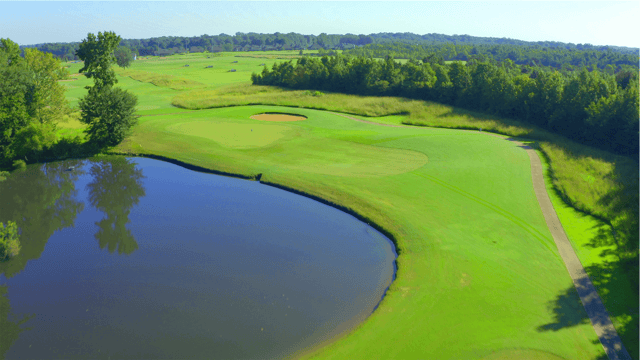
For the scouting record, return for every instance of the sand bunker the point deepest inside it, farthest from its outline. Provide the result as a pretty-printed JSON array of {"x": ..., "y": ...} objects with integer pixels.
[{"x": 278, "y": 117}]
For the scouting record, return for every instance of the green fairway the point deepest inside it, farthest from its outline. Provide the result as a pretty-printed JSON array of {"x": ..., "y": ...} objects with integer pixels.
[{"x": 479, "y": 275}]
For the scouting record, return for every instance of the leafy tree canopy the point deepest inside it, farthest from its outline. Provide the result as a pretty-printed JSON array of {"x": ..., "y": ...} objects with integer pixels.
[
  {"x": 123, "y": 56},
  {"x": 98, "y": 55},
  {"x": 109, "y": 112}
]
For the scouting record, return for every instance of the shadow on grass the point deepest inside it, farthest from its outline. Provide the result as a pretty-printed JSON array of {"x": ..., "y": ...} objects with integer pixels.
[
  {"x": 616, "y": 282},
  {"x": 569, "y": 311}
]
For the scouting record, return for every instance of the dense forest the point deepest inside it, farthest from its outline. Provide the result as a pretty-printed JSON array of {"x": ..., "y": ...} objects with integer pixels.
[
  {"x": 400, "y": 45},
  {"x": 595, "y": 108},
  {"x": 558, "y": 58}
]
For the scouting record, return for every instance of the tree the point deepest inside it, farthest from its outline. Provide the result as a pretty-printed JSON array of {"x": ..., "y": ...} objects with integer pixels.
[
  {"x": 11, "y": 49},
  {"x": 13, "y": 105},
  {"x": 109, "y": 112},
  {"x": 48, "y": 102},
  {"x": 32, "y": 140},
  {"x": 123, "y": 56},
  {"x": 97, "y": 54},
  {"x": 227, "y": 46},
  {"x": 30, "y": 98}
]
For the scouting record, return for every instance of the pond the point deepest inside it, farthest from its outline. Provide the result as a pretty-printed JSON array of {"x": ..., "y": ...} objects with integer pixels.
[{"x": 139, "y": 258}]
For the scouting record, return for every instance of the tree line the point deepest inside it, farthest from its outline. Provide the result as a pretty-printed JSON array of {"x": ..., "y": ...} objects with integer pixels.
[
  {"x": 451, "y": 47},
  {"x": 559, "y": 58},
  {"x": 591, "y": 107}
]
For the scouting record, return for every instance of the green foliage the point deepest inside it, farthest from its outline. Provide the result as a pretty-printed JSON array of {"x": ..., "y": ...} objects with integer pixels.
[
  {"x": 47, "y": 103},
  {"x": 31, "y": 101},
  {"x": 124, "y": 56},
  {"x": 11, "y": 51},
  {"x": 97, "y": 54},
  {"x": 109, "y": 114},
  {"x": 19, "y": 165},
  {"x": 108, "y": 111},
  {"x": 68, "y": 147},
  {"x": 566, "y": 57},
  {"x": 9, "y": 240},
  {"x": 32, "y": 140},
  {"x": 13, "y": 102}
]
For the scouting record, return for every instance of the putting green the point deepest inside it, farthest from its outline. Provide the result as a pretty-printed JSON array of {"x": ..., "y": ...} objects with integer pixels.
[
  {"x": 232, "y": 135},
  {"x": 288, "y": 147}
]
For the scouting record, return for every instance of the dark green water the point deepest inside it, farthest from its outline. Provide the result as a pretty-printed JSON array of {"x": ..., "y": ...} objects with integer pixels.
[{"x": 138, "y": 258}]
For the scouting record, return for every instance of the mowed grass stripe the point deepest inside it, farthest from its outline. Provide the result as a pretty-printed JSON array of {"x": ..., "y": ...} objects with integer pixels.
[{"x": 544, "y": 240}]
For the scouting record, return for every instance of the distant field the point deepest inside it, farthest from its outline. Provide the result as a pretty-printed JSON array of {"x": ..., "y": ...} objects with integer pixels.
[{"x": 479, "y": 276}]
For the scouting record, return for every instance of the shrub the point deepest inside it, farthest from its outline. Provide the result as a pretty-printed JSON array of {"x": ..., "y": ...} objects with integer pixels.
[
  {"x": 19, "y": 164},
  {"x": 9, "y": 242},
  {"x": 32, "y": 140},
  {"x": 110, "y": 114},
  {"x": 68, "y": 147}
]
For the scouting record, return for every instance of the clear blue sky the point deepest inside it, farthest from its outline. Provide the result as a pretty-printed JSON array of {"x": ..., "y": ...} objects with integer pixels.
[{"x": 594, "y": 22}]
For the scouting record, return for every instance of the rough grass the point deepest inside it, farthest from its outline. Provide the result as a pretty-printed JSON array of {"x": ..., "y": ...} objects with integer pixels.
[
  {"x": 593, "y": 240},
  {"x": 162, "y": 80},
  {"x": 414, "y": 112}
]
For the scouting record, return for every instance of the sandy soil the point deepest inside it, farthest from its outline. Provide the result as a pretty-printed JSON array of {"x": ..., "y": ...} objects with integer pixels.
[{"x": 278, "y": 117}]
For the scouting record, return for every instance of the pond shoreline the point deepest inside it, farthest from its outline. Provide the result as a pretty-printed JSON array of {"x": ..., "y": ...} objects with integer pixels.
[{"x": 258, "y": 177}]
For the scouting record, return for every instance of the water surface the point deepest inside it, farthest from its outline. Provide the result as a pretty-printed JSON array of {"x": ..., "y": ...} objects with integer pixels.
[{"x": 138, "y": 258}]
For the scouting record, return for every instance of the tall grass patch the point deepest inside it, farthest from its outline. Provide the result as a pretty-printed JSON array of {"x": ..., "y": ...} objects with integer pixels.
[{"x": 162, "y": 80}]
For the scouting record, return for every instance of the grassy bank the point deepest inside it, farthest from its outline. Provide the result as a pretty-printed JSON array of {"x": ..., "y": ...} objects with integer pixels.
[{"x": 479, "y": 276}]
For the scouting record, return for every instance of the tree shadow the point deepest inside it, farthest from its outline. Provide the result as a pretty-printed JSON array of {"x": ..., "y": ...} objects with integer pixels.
[
  {"x": 569, "y": 311},
  {"x": 115, "y": 189},
  {"x": 611, "y": 279}
]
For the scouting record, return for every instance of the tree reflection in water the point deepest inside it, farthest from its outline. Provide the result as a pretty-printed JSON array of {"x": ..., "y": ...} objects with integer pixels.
[
  {"x": 41, "y": 200},
  {"x": 116, "y": 187}
]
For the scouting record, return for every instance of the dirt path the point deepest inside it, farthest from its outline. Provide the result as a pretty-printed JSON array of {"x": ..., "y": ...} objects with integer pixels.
[
  {"x": 596, "y": 311},
  {"x": 591, "y": 301}
]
